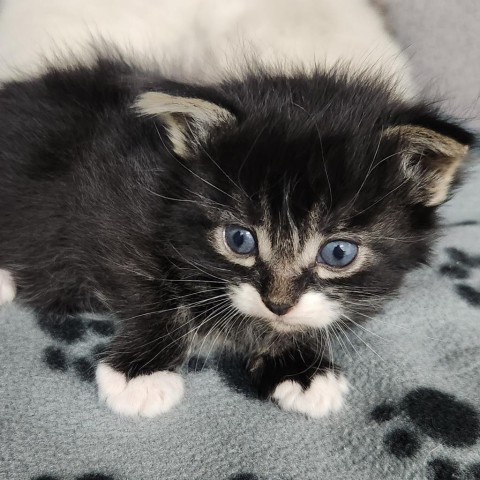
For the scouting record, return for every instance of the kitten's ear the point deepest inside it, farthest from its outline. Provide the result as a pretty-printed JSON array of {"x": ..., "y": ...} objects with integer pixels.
[
  {"x": 188, "y": 120},
  {"x": 431, "y": 157}
]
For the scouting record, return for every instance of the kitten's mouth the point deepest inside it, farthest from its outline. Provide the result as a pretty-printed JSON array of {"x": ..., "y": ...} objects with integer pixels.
[{"x": 313, "y": 309}]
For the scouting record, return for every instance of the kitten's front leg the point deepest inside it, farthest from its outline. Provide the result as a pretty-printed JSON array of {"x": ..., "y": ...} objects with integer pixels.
[
  {"x": 300, "y": 380},
  {"x": 139, "y": 374}
]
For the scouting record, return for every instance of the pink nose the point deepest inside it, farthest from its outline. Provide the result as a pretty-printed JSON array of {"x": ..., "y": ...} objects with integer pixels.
[{"x": 278, "y": 308}]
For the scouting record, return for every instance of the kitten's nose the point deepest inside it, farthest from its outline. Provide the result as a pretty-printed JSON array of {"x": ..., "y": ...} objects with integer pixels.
[{"x": 278, "y": 308}]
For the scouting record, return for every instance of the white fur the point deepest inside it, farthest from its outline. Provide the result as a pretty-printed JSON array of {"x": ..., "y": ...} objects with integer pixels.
[
  {"x": 145, "y": 395},
  {"x": 8, "y": 289},
  {"x": 314, "y": 309},
  {"x": 203, "y": 39},
  {"x": 324, "y": 395}
]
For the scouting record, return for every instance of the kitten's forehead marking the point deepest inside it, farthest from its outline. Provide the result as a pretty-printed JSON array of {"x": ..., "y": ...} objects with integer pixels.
[
  {"x": 265, "y": 251},
  {"x": 290, "y": 250},
  {"x": 290, "y": 258},
  {"x": 309, "y": 252},
  {"x": 287, "y": 251}
]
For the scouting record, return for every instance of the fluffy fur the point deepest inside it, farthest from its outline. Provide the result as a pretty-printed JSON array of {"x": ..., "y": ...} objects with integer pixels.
[
  {"x": 145, "y": 395},
  {"x": 324, "y": 395},
  {"x": 101, "y": 210},
  {"x": 7, "y": 287},
  {"x": 201, "y": 40}
]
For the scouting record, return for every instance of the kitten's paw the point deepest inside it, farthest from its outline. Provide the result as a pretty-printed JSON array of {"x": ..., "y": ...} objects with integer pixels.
[
  {"x": 145, "y": 395},
  {"x": 324, "y": 395},
  {"x": 8, "y": 289}
]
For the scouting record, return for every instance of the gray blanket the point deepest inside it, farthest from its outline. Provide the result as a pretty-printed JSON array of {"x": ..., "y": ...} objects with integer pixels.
[{"x": 414, "y": 407}]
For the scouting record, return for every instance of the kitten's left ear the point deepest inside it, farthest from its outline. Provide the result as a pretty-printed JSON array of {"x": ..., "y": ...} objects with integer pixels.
[
  {"x": 432, "y": 155},
  {"x": 188, "y": 120}
]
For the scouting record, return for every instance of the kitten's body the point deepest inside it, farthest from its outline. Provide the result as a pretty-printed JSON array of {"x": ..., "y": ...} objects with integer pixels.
[
  {"x": 118, "y": 200},
  {"x": 117, "y": 185}
]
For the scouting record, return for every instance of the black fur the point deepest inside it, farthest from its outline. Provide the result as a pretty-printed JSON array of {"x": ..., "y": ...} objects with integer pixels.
[
  {"x": 300, "y": 366},
  {"x": 97, "y": 213}
]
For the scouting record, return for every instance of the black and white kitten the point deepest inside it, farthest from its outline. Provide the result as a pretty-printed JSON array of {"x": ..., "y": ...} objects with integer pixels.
[{"x": 252, "y": 215}]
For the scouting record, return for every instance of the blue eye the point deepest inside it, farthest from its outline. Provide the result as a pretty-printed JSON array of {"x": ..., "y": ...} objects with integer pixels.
[
  {"x": 338, "y": 253},
  {"x": 240, "y": 240}
]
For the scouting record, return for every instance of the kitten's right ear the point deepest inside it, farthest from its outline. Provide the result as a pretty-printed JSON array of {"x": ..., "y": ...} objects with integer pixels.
[
  {"x": 433, "y": 152},
  {"x": 188, "y": 120}
]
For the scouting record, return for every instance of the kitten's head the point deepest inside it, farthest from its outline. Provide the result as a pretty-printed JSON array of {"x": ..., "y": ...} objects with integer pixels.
[{"x": 310, "y": 197}]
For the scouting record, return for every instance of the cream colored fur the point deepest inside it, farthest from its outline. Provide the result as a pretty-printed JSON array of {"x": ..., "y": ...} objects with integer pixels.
[
  {"x": 200, "y": 39},
  {"x": 8, "y": 289}
]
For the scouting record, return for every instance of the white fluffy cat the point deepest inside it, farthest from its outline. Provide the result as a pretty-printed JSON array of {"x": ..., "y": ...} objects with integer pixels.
[{"x": 200, "y": 39}]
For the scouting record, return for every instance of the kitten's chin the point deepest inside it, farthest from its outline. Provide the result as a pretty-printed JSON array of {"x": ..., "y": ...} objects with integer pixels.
[
  {"x": 313, "y": 310},
  {"x": 282, "y": 326}
]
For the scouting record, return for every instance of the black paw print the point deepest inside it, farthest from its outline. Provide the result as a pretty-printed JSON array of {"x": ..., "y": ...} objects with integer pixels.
[
  {"x": 460, "y": 267},
  {"x": 87, "y": 476},
  {"x": 252, "y": 476},
  {"x": 439, "y": 416},
  {"x": 243, "y": 476},
  {"x": 69, "y": 330}
]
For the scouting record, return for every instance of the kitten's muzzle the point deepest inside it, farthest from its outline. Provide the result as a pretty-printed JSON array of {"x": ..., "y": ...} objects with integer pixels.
[{"x": 278, "y": 308}]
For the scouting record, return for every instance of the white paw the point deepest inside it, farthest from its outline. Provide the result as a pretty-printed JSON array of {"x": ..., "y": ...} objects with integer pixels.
[
  {"x": 324, "y": 395},
  {"x": 7, "y": 287},
  {"x": 145, "y": 395}
]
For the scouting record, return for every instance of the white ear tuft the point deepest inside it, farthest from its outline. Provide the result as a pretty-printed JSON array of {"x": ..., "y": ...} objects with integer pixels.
[{"x": 184, "y": 117}]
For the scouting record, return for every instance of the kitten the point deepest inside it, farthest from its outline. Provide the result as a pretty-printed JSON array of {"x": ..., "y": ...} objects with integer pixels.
[{"x": 254, "y": 214}]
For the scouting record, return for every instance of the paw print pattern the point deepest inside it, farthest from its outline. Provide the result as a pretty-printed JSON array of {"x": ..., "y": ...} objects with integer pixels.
[
  {"x": 69, "y": 331},
  {"x": 87, "y": 476},
  {"x": 243, "y": 476},
  {"x": 438, "y": 415},
  {"x": 461, "y": 266},
  {"x": 101, "y": 476},
  {"x": 445, "y": 469},
  {"x": 252, "y": 476}
]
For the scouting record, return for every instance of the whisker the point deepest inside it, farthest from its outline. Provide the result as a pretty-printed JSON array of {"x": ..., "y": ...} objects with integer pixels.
[
  {"x": 378, "y": 319},
  {"x": 157, "y": 339},
  {"x": 216, "y": 324},
  {"x": 178, "y": 339},
  {"x": 348, "y": 338},
  {"x": 365, "y": 329},
  {"x": 364, "y": 342},
  {"x": 194, "y": 304},
  {"x": 230, "y": 315},
  {"x": 340, "y": 341}
]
